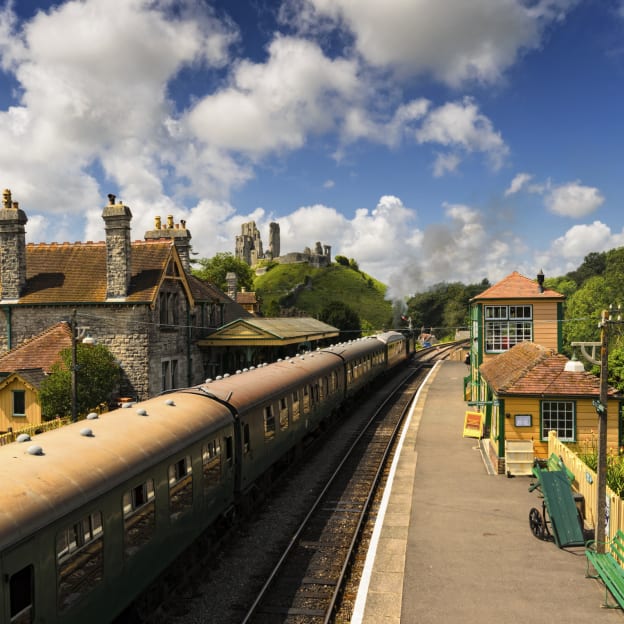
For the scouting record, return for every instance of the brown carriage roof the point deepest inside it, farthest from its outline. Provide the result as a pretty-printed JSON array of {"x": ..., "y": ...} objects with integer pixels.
[
  {"x": 530, "y": 369},
  {"x": 517, "y": 286}
]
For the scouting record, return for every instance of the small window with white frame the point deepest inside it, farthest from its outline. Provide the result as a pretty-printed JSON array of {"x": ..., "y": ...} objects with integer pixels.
[{"x": 559, "y": 416}]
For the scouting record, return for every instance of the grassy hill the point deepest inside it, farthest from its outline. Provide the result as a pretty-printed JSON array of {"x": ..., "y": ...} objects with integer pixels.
[{"x": 300, "y": 286}]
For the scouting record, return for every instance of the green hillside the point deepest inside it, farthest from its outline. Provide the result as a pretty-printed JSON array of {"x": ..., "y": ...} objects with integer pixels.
[{"x": 302, "y": 287}]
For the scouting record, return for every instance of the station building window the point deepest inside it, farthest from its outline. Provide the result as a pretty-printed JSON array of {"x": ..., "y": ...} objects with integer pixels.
[
  {"x": 559, "y": 416},
  {"x": 79, "y": 559},
  {"x": 506, "y": 326},
  {"x": 139, "y": 511},
  {"x": 180, "y": 487}
]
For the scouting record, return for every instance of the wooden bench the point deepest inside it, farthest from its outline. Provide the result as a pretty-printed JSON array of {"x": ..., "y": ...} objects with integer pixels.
[{"x": 608, "y": 568}]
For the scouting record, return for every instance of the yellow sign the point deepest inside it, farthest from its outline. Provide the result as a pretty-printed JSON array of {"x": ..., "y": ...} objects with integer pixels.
[{"x": 473, "y": 425}]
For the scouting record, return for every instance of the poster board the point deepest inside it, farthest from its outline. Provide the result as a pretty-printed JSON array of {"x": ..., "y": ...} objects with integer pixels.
[{"x": 473, "y": 425}]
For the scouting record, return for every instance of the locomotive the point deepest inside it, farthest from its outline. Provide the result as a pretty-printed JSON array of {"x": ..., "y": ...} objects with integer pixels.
[{"x": 91, "y": 513}]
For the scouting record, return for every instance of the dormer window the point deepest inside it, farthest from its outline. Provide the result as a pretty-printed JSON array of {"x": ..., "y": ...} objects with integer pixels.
[{"x": 506, "y": 326}]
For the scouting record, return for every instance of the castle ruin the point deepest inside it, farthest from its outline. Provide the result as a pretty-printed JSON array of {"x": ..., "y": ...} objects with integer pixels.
[{"x": 249, "y": 248}]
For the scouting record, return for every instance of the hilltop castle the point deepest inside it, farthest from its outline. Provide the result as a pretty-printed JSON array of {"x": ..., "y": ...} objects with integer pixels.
[{"x": 249, "y": 248}]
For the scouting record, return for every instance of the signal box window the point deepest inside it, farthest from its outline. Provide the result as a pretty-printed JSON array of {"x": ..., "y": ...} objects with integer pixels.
[
  {"x": 21, "y": 596},
  {"x": 506, "y": 326},
  {"x": 180, "y": 487},
  {"x": 79, "y": 559},
  {"x": 139, "y": 511}
]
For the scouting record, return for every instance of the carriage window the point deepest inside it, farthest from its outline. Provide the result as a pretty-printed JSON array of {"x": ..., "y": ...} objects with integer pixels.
[
  {"x": 283, "y": 413},
  {"x": 269, "y": 423},
  {"x": 21, "y": 590},
  {"x": 246, "y": 438},
  {"x": 79, "y": 559},
  {"x": 306, "y": 399},
  {"x": 295, "y": 406},
  {"x": 211, "y": 464},
  {"x": 180, "y": 487},
  {"x": 229, "y": 450},
  {"x": 139, "y": 511}
]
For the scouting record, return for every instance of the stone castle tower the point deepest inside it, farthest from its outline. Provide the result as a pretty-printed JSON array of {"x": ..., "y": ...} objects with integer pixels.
[{"x": 12, "y": 248}]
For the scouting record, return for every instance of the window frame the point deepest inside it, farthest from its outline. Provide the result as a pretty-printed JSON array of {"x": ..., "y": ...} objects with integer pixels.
[
  {"x": 569, "y": 412},
  {"x": 505, "y": 326}
]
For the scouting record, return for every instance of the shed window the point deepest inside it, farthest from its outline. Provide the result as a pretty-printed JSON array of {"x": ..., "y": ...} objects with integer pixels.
[
  {"x": 19, "y": 403},
  {"x": 559, "y": 416},
  {"x": 139, "y": 513},
  {"x": 21, "y": 596}
]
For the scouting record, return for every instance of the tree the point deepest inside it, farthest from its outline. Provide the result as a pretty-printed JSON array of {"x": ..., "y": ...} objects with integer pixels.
[
  {"x": 345, "y": 318},
  {"x": 96, "y": 378},
  {"x": 215, "y": 270}
]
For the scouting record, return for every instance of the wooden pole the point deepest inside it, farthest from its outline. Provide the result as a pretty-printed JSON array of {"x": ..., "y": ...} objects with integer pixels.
[{"x": 601, "y": 502}]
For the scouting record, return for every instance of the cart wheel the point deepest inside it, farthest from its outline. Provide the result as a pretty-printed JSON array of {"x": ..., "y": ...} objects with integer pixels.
[{"x": 536, "y": 523}]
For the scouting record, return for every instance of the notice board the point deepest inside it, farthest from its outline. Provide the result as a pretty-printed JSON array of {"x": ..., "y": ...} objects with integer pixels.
[{"x": 473, "y": 425}]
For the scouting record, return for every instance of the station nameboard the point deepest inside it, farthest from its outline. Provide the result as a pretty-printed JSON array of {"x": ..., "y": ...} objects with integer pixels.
[{"x": 473, "y": 425}]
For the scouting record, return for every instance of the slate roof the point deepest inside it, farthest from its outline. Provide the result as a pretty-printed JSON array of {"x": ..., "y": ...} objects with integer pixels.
[
  {"x": 530, "y": 369},
  {"x": 39, "y": 352},
  {"x": 517, "y": 286}
]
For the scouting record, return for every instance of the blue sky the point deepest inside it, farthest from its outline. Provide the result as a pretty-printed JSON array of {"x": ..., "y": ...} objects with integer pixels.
[{"x": 431, "y": 140}]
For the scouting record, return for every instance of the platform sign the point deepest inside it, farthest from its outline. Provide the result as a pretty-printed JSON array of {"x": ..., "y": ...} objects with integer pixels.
[{"x": 473, "y": 425}]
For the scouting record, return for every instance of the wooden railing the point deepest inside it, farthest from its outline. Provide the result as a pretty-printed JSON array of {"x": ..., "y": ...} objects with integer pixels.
[
  {"x": 587, "y": 484},
  {"x": 31, "y": 430}
]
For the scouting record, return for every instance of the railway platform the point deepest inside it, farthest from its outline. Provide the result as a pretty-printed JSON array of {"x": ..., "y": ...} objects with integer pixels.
[{"x": 453, "y": 542}]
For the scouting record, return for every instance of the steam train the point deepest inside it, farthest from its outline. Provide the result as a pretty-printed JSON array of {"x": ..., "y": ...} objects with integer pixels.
[{"x": 93, "y": 512}]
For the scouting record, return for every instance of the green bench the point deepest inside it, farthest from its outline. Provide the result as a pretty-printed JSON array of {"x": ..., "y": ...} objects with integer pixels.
[{"x": 608, "y": 568}]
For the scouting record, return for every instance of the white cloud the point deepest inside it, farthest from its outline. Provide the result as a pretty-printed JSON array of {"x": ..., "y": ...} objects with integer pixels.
[
  {"x": 460, "y": 126},
  {"x": 455, "y": 41},
  {"x": 567, "y": 252},
  {"x": 573, "y": 200},
  {"x": 274, "y": 105},
  {"x": 445, "y": 163},
  {"x": 519, "y": 182}
]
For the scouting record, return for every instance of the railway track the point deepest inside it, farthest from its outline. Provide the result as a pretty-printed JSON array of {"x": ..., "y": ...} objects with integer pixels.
[{"x": 306, "y": 584}]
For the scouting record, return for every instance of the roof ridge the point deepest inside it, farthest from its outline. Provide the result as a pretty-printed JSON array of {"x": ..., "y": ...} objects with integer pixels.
[{"x": 40, "y": 335}]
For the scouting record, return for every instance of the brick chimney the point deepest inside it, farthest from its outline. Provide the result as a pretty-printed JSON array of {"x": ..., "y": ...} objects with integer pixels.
[
  {"x": 232, "y": 284},
  {"x": 117, "y": 219},
  {"x": 178, "y": 233},
  {"x": 12, "y": 248}
]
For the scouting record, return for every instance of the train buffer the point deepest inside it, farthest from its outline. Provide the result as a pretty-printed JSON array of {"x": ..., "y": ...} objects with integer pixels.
[{"x": 560, "y": 517}]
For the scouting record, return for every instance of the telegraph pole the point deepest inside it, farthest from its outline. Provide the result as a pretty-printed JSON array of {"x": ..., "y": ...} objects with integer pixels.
[{"x": 601, "y": 409}]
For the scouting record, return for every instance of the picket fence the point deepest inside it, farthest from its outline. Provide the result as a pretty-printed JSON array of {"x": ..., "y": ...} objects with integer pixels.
[{"x": 587, "y": 484}]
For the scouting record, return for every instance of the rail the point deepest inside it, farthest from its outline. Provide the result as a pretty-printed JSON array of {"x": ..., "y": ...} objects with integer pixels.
[
  {"x": 31, "y": 430},
  {"x": 308, "y": 579}
]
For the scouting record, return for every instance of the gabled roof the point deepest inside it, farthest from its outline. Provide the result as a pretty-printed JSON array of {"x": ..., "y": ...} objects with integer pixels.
[
  {"x": 76, "y": 272},
  {"x": 31, "y": 378},
  {"x": 516, "y": 286},
  {"x": 530, "y": 369},
  {"x": 40, "y": 352},
  {"x": 270, "y": 331}
]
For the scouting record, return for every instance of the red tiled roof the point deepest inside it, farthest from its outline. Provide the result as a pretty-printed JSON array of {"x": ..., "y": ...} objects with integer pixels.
[
  {"x": 40, "y": 352},
  {"x": 530, "y": 369},
  {"x": 516, "y": 286},
  {"x": 76, "y": 272}
]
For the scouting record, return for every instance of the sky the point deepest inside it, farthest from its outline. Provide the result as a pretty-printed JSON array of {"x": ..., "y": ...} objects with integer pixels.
[{"x": 430, "y": 140}]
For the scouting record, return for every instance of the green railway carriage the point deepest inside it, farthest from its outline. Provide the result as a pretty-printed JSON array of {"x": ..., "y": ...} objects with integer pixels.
[{"x": 92, "y": 513}]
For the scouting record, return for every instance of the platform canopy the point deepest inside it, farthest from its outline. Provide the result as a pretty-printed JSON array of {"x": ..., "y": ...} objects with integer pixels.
[{"x": 269, "y": 332}]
